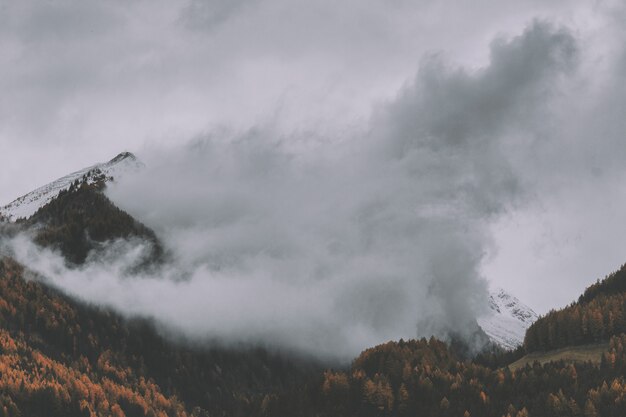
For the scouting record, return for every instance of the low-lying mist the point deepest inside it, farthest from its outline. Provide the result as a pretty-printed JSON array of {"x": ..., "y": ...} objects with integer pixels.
[{"x": 375, "y": 235}]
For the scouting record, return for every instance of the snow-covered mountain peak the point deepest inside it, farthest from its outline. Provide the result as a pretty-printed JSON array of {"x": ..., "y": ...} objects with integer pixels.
[
  {"x": 507, "y": 319},
  {"x": 501, "y": 301},
  {"x": 26, "y": 205}
]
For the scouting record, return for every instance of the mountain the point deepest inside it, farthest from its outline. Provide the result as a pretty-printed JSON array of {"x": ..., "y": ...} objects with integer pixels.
[
  {"x": 62, "y": 357},
  {"x": 26, "y": 205},
  {"x": 74, "y": 216},
  {"x": 574, "y": 366},
  {"x": 81, "y": 219},
  {"x": 76, "y": 220},
  {"x": 507, "y": 319}
]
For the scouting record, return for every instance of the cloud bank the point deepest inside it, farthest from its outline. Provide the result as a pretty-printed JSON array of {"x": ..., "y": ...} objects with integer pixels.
[
  {"x": 374, "y": 235},
  {"x": 81, "y": 80}
]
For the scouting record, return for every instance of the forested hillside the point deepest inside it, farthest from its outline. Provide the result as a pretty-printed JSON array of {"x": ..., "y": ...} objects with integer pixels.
[
  {"x": 425, "y": 378},
  {"x": 597, "y": 315},
  {"x": 61, "y": 358},
  {"x": 81, "y": 218}
]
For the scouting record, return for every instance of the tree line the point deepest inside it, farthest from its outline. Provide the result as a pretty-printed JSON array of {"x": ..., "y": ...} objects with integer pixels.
[{"x": 425, "y": 378}]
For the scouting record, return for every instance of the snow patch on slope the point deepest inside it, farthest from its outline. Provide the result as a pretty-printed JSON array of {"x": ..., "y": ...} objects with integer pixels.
[
  {"x": 26, "y": 205},
  {"x": 507, "y": 320}
]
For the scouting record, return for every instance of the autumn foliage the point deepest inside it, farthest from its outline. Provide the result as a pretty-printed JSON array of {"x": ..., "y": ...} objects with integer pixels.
[
  {"x": 598, "y": 314},
  {"x": 61, "y": 358},
  {"x": 35, "y": 384},
  {"x": 425, "y": 378}
]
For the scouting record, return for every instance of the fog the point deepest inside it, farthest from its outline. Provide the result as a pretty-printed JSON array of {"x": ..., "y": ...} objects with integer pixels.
[{"x": 327, "y": 244}]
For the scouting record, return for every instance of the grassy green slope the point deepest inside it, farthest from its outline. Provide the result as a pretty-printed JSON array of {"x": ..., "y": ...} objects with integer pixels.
[{"x": 585, "y": 353}]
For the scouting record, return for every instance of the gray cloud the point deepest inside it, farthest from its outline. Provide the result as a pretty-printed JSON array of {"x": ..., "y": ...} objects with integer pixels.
[
  {"x": 82, "y": 79},
  {"x": 59, "y": 21},
  {"x": 504, "y": 161},
  {"x": 567, "y": 235},
  {"x": 205, "y": 15},
  {"x": 373, "y": 237},
  {"x": 453, "y": 105}
]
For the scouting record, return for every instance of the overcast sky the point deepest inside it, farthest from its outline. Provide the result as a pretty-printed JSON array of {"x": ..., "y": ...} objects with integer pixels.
[{"x": 533, "y": 91}]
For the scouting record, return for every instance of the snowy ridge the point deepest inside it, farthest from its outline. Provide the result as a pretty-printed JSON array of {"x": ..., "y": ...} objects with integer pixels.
[
  {"x": 507, "y": 320},
  {"x": 26, "y": 205}
]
